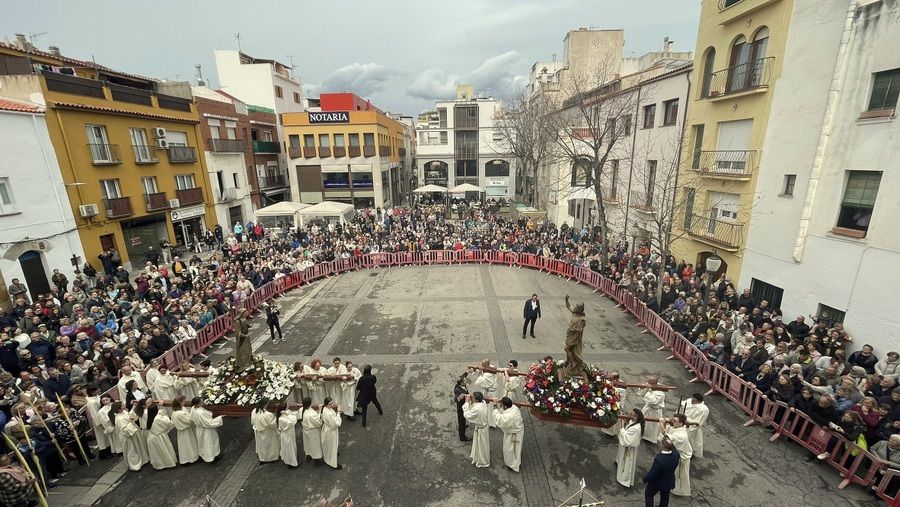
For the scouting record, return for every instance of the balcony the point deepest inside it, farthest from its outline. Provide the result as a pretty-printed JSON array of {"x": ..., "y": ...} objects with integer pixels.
[
  {"x": 182, "y": 154},
  {"x": 354, "y": 151},
  {"x": 266, "y": 147},
  {"x": 272, "y": 180},
  {"x": 105, "y": 154},
  {"x": 718, "y": 233},
  {"x": 227, "y": 145},
  {"x": 384, "y": 150},
  {"x": 467, "y": 151},
  {"x": 75, "y": 85},
  {"x": 173, "y": 103},
  {"x": 294, "y": 152},
  {"x": 188, "y": 196},
  {"x": 228, "y": 194},
  {"x": 340, "y": 151},
  {"x": 324, "y": 152},
  {"x": 129, "y": 94},
  {"x": 642, "y": 201},
  {"x": 156, "y": 202},
  {"x": 144, "y": 154},
  {"x": 729, "y": 164},
  {"x": 401, "y": 152},
  {"x": 369, "y": 150},
  {"x": 118, "y": 207},
  {"x": 309, "y": 151},
  {"x": 746, "y": 78}
]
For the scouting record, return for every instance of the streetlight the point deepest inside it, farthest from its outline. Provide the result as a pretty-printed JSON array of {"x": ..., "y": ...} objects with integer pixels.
[{"x": 713, "y": 263}]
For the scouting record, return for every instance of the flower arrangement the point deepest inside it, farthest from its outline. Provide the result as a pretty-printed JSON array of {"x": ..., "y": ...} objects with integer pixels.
[
  {"x": 261, "y": 379},
  {"x": 596, "y": 396}
]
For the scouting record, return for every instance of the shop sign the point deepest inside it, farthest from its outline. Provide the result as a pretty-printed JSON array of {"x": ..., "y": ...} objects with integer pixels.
[
  {"x": 185, "y": 213},
  {"x": 329, "y": 117},
  {"x": 497, "y": 182},
  {"x": 136, "y": 241}
]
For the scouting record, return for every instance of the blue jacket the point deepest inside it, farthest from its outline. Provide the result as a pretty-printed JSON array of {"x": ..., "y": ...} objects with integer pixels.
[{"x": 661, "y": 475}]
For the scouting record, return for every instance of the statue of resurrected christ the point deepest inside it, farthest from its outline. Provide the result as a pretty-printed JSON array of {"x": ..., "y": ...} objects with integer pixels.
[{"x": 574, "y": 340}]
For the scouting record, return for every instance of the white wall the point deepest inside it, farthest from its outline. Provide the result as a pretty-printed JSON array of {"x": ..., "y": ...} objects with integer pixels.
[
  {"x": 251, "y": 83},
  {"x": 40, "y": 196},
  {"x": 230, "y": 164},
  {"x": 858, "y": 276}
]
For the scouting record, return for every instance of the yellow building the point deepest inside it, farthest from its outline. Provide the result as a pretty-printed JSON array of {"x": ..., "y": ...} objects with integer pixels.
[
  {"x": 126, "y": 146},
  {"x": 739, "y": 56},
  {"x": 349, "y": 152}
]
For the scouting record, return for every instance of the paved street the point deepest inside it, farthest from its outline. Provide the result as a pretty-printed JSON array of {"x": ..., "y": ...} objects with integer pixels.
[{"x": 419, "y": 327}]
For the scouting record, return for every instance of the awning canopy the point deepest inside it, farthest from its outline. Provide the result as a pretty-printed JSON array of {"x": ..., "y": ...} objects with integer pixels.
[
  {"x": 429, "y": 189},
  {"x": 281, "y": 209},
  {"x": 465, "y": 187},
  {"x": 586, "y": 193},
  {"x": 340, "y": 211}
]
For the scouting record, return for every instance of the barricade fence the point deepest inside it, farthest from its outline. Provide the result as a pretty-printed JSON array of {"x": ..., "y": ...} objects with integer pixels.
[{"x": 856, "y": 465}]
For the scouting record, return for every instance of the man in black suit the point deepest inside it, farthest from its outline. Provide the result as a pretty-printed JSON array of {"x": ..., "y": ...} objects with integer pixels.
[
  {"x": 532, "y": 313},
  {"x": 661, "y": 477}
]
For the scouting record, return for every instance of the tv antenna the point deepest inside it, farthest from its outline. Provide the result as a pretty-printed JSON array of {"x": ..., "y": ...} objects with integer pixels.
[
  {"x": 32, "y": 36},
  {"x": 292, "y": 64},
  {"x": 237, "y": 37}
]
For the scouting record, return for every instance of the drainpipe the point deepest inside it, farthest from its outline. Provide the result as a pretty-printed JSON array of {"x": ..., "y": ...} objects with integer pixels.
[{"x": 837, "y": 78}]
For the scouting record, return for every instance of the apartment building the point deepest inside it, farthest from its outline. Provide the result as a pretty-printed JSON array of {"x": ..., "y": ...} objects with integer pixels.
[{"x": 126, "y": 147}]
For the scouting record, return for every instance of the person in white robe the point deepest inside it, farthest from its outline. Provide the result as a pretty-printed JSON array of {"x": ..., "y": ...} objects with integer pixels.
[
  {"x": 152, "y": 373},
  {"x": 331, "y": 424},
  {"x": 129, "y": 374},
  {"x": 162, "y": 454},
  {"x": 140, "y": 409},
  {"x": 675, "y": 430},
  {"x": 126, "y": 426},
  {"x": 205, "y": 427},
  {"x": 511, "y": 384},
  {"x": 92, "y": 408},
  {"x": 299, "y": 383},
  {"x": 165, "y": 387},
  {"x": 287, "y": 435},
  {"x": 629, "y": 442},
  {"x": 488, "y": 384},
  {"x": 654, "y": 404},
  {"x": 476, "y": 413},
  {"x": 184, "y": 431},
  {"x": 311, "y": 422},
  {"x": 334, "y": 389},
  {"x": 109, "y": 425},
  {"x": 315, "y": 386},
  {"x": 509, "y": 420},
  {"x": 348, "y": 407},
  {"x": 188, "y": 387},
  {"x": 613, "y": 430},
  {"x": 265, "y": 432},
  {"x": 697, "y": 413}
]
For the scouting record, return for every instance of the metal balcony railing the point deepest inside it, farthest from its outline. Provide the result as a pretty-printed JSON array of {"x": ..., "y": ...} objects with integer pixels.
[
  {"x": 105, "y": 154},
  {"x": 741, "y": 78},
  {"x": 182, "y": 154},
  {"x": 642, "y": 201},
  {"x": 156, "y": 201},
  {"x": 353, "y": 151},
  {"x": 295, "y": 152},
  {"x": 144, "y": 154},
  {"x": 728, "y": 235},
  {"x": 369, "y": 150},
  {"x": 228, "y": 145},
  {"x": 309, "y": 151},
  {"x": 228, "y": 194},
  {"x": 725, "y": 163},
  {"x": 339, "y": 151},
  {"x": 272, "y": 180},
  {"x": 468, "y": 151},
  {"x": 266, "y": 147},
  {"x": 324, "y": 151},
  {"x": 384, "y": 150},
  {"x": 118, "y": 207},
  {"x": 189, "y": 196}
]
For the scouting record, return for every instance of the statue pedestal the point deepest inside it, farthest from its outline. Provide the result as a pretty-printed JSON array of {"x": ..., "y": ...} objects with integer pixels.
[{"x": 577, "y": 418}]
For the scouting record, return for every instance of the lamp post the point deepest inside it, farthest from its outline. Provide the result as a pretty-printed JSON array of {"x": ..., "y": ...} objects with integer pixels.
[{"x": 713, "y": 263}]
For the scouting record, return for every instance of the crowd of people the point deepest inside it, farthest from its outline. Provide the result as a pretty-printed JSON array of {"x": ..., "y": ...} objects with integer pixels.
[{"x": 102, "y": 328}]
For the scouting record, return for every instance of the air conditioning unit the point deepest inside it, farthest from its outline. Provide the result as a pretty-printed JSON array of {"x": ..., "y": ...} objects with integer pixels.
[
  {"x": 159, "y": 133},
  {"x": 88, "y": 210},
  {"x": 162, "y": 144},
  {"x": 174, "y": 203}
]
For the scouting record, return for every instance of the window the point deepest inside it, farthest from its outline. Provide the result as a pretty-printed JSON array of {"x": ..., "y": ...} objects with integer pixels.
[
  {"x": 101, "y": 151},
  {"x": 184, "y": 181},
  {"x": 670, "y": 112},
  {"x": 309, "y": 141},
  {"x": 709, "y": 62},
  {"x": 267, "y": 136},
  {"x": 294, "y": 141},
  {"x": 649, "y": 115},
  {"x": 324, "y": 141},
  {"x": 571, "y": 207},
  {"x": 651, "y": 181},
  {"x": 231, "y": 129},
  {"x": 581, "y": 173},
  {"x": 789, "y": 181},
  {"x": 139, "y": 143},
  {"x": 7, "y": 204},
  {"x": 279, "y": 92},
  {"x": 109, "y": 189},
  {"x": 885, "y": 90},
  {"x": 214, "y": 128},
  {"x": 626, "y": 128},
  {"x": 442, "y": 116},
  {"x": 836, "y": 315},
  {"x": 859, "y": 200},
  {"x": 148, "y": 183},
  {"x": 610, "y": 130},
  {"x": 444, "y": 137},
  {"x": 354, "y": 140},
  {"x": 689, "y": 195},
  {"x": 339, "y": 140},
  {"x": 176, "y": 138},
  {"x": 297, "y": 97},
  {"x": 762, "y": 290},
  {"x": 496, "y": 168},
  {"x": 234, "y": 177},
  {"x": 698, "y": 145},
  {"x": 613, "y": 179},
  {"x": 369, "y": 139}
]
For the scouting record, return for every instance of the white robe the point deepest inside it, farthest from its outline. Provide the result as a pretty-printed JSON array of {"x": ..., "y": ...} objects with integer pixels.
[
  {"x": 131, "y": 435},
  {"x": 511, "y": 386},
  {"x": 207, "y": 436},
  {"x": 298, "y": 388},
  {"x": 124, "y": 380},
  {"x": 152, "y": 374},
  {"x": 162, "y": 454},
  {"x": 312, "y": 433},
  {"x": 626, "y": 458},
  {"x": 477, "y": 415},
  {"x": 681, "y": 441},
  {"x": 93, "y": 411},
  {"x": 186, "y": 438},
  {"x": 287, "y": 436},
  {"x": 509, "y": 421},
  {"x": 331, "y": 423},
  {"x": 613, "y": 430},
  {"x": 654, "y": 404},
  {"x": 265, "y": 431},
  {"x": 334, "y": 388},
  {"x": 109, "y": 429},
  {"x": 189, "y": 387},
  {"x": 164, "y": 389},
  {"x": 488, "y": 385},
  {"x": 695, "y": 413},
  {"x": 316, "y": 388},
  {"x": 348, "y": 407}
]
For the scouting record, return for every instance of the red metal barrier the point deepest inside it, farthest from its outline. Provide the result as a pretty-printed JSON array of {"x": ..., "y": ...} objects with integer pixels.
[
  {"x": 889, "y": 486},
  {"x": 408, "y": 258},
  {"x": 439, "y": 257},
  {"x": 527, "y": 260}
]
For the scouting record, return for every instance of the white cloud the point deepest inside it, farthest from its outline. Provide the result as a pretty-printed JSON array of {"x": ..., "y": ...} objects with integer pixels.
[
  {"x": 497, "y": 76},
  {"x": 362, "y": 79},
  {"x": 433, "y": 84}
]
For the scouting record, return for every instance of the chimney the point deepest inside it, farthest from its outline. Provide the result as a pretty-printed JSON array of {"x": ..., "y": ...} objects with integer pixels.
[
  {"x": 667, "y": 45},
  {"x": 21, "y": 42},
  {"x": 54, "y": 50}
]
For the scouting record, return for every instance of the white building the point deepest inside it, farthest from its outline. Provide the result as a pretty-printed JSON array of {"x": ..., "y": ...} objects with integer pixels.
[
  {"x": 458, "y": 142},
  {"x": 39, "y": 231},
  {"x": 823, "y": 231}
]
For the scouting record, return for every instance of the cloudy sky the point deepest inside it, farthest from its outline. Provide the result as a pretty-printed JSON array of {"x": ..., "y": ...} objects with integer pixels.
[{"x": 402, "y": 54}]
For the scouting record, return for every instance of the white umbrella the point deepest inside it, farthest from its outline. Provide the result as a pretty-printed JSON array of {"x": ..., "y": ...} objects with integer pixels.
[
  {"x": 428, "y": 189},
  {"x": 465, "y": 187}
]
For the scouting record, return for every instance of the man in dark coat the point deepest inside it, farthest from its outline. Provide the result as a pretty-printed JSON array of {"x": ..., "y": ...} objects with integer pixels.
[
  {"x": 531, "y": 313},
  {"x": 367, "y": 393},
  {"x": 661, "y": 477}
]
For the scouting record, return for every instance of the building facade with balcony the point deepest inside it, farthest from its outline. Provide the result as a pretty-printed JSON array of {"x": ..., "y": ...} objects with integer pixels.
[
  {"x": 126, "y": 147},
  {"x": 39, "y": 232},
  {"x": 737, "y": 66},
  {"x": 346, "y": 156},
  {"x": 823, "y": 234},
  {"x": 458, "y": 143}
]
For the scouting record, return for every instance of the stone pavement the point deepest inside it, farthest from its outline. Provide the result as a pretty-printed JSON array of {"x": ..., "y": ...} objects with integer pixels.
[{"x": 419, "y": 327}]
